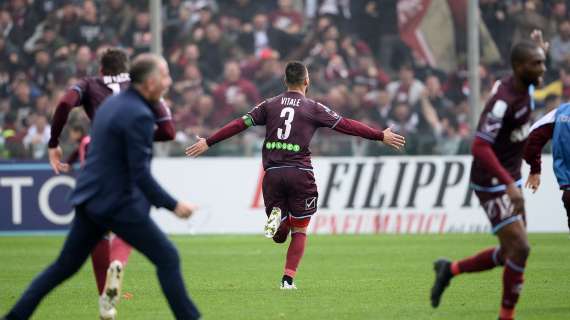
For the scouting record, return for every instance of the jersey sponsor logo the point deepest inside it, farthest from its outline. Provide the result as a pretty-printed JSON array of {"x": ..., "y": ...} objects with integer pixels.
[
  {"x": 520, "y": 134},
  {"x": 499, "y": 109},
  {"x": 310, "y": 203}
]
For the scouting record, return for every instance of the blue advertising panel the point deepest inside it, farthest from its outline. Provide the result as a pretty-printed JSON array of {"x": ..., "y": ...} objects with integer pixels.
[{"x": 33, "y": 198}]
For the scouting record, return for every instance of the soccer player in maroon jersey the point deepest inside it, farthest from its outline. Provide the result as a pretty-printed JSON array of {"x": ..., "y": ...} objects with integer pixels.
[
  {"x": 90, "y": 92},
  {"x": 496, "y": 177},
  {"x": 289, "y": 188},
  {"x": 541, "y": 132}
]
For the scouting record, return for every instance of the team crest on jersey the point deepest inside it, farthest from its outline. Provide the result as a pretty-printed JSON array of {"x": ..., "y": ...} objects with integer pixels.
[{"x": 310, "y": 203}]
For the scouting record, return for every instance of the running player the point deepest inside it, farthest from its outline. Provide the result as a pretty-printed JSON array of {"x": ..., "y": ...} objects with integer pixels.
[
  {"x": 496, "y": 178},
  {"x": 554, "y": 125},
  {"x": 289, "y": 188},
  {"x": 90, "y": 92}
]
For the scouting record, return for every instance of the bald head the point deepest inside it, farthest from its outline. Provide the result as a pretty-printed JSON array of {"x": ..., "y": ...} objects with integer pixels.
[
  {"x": 149, "y": 74},
  {"x": 143, "y": 66}
]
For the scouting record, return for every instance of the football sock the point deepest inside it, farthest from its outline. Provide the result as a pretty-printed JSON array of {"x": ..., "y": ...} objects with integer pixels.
[
  {"x": 100, "y": 260},
  {"x": 295, "y": 253},
  {"x": 484, "y": 260},
  {"x": 512, "y": 285},
  {"x": 120, "y": 250},
  {"x": 287, "y": 279}
]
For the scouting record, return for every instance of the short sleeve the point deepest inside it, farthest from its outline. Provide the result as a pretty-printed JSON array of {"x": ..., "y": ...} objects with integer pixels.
[
  {"x": 491, "y": 120},
  {"x": 324, "y": 116},
  {"x": 80, "y": 87},
  {"x": 258, "y": 115}
]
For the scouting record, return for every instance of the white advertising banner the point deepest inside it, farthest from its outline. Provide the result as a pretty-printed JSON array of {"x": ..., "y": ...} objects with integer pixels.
[{"x": 356, "y": 195}]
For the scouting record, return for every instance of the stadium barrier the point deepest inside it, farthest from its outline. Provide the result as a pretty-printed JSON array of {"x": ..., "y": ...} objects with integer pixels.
[{"x": 356, "y": 196}]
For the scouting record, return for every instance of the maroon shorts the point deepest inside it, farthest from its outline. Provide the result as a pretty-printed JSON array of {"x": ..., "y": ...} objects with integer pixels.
[
  {"x": 499, "y": 209},
  {"x": 292, "y": 190}
]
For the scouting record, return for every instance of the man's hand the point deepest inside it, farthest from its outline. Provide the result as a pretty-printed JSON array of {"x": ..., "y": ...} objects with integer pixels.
[
  {"x": 184, "y": 210},
  {"x": 55, "y": 155},
  {"x": 197, "y": 148},
  {"x": 517, "y": 200},
  {"x": 536, "y": 36},
  {"x": 393, "y": 140},
  {"x": 533, "y": 182}
]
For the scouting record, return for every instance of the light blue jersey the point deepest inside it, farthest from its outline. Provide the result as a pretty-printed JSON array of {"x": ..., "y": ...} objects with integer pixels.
[{"x": 561, "y": 146}]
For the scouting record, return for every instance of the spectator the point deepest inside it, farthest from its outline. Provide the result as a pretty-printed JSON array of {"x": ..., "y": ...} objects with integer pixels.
[
  {"x": 89, "y": 29},
  {"x": 139, "y": 38},
  {"x": 407, "y": 89},
  {"x": 235, "y": 95},
  {"x": 37, "y": 138},
  {"x": 286, "y": 18},
  {"x": 117, "y": 17},
  {"x": 218, "y": 50},
  {"x": 41, "y": 73},
  {"x": 560, "y": 45},
  {"x": 12, "y": 148}
]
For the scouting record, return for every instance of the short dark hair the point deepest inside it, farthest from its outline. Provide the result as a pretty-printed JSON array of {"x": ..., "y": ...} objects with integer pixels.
[
  {"x": 114, "y": 61},
  {"x": 142, "y": 67},
  {"x": 520, "y": 51},
  {"x": 295, "y": 73}
]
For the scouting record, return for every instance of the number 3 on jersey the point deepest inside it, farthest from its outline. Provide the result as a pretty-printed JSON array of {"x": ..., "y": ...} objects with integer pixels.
[
  {"x": 115, "y": 87},
  {"x": 287, "y": 113}
]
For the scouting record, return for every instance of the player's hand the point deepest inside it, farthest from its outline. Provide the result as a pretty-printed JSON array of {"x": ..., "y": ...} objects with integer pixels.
[
  {"x": 197, "y": 148},
  {"x": 55, "y": 155},
  {"x": 536, "y": 36},
  {"x": 517, "y": 200},
  {"x": 184, "y": 210},
  {"x": 533, "y": 182},
  {"x": 393, "y": 140}
]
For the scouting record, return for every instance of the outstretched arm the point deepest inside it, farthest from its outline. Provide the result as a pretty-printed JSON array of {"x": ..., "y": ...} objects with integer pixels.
[
  {"x": 359, "y": 129},
  {"x": 229, "y": 130}
]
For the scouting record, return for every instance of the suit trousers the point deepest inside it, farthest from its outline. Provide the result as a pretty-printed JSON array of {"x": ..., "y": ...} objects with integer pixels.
[{"x": 142, "y": 234}]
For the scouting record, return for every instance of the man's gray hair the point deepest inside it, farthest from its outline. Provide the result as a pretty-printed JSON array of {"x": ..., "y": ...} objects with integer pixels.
[{"x": 143, "y": 66}]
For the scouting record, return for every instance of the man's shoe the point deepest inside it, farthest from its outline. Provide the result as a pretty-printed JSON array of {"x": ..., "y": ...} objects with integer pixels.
[
  {"x": 112, "y": 292},
  {"x": 273, "y": 222},
  {"x": 443, "y": 275}
]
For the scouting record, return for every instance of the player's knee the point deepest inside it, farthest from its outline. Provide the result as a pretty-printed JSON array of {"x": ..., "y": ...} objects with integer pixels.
[{"x": 521, "y": 251}]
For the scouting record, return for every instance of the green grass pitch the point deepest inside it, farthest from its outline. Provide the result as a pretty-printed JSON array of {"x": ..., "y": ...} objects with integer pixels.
[{"x": 341, "y": 277}]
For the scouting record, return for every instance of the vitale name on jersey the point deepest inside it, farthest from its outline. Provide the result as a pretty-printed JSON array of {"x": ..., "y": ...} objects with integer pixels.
[
  {"x": 290, "y": 102},
  {"x": 119, "y": 78}
]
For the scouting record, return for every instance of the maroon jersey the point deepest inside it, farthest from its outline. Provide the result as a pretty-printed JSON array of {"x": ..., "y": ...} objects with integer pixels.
[
  {"x": 291, "y": 120},
  {"x": 504, "y": 123},
  {"x": 90, "y": 92}
]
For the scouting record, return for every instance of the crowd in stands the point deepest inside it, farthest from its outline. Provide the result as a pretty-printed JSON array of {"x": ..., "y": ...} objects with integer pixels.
[{"x": 227, "y": 55}]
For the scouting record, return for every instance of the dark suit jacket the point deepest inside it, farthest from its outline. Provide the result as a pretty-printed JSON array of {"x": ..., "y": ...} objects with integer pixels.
[{"x": 116, "y": 181}]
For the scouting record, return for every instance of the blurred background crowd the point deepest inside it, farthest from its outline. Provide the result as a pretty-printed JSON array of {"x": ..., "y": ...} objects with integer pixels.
[{"x": 365, "y": 58}]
